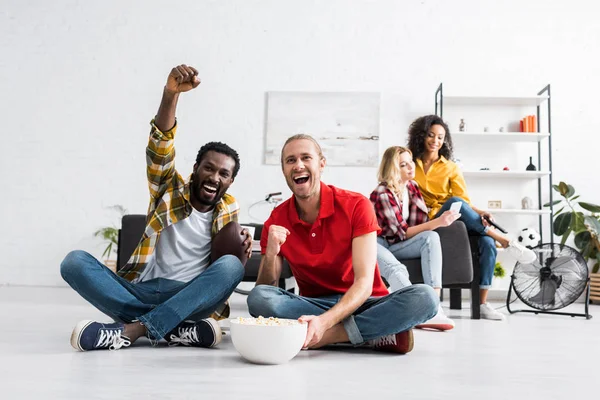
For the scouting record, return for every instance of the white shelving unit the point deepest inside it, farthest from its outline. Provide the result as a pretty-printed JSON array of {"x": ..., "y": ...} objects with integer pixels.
[
  {"x": 495, "y": 100},
  {"x": 500, "y": 136},
  {"x": 492, "y": 105},
  {"x": 505, "y": 174},
  {"x": 516, "y": 211}
]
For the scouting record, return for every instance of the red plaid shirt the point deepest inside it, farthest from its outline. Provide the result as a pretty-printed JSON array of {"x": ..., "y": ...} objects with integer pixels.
[{"x": 388, "y": 209}]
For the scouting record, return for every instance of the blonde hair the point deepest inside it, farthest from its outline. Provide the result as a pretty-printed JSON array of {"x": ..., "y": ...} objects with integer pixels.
[
  {"x": 389, "y": 169},
  {"x": 303, "y": 136}
]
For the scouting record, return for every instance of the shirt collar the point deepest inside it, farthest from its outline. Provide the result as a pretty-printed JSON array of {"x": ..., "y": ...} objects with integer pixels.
[
  {"x": 442, "y": 159},
  {"x": 325, "y": 208}
]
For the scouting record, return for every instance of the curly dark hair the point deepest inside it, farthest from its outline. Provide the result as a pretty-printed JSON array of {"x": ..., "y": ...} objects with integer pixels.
[
  {"x": 418, "y": 130},
  {"x": 220, "y": 148}
]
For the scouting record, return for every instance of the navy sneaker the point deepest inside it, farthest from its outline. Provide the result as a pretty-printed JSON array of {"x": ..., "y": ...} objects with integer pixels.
[
  {"x": 204, "y": 333},
  {"x": 91, "y": 335}
]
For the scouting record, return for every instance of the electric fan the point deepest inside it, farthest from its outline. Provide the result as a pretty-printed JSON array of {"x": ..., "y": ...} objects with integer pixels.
[{"x": 556, "y": 279}]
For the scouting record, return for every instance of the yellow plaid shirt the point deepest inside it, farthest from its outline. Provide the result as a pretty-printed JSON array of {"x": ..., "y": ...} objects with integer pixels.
[{"x": 170, "y": 203}]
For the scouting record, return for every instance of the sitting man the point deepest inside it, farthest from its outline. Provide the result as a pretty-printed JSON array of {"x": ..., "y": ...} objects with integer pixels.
[
  {"x": 169, "y": 286},
  {"x": 329, "y": 238}
]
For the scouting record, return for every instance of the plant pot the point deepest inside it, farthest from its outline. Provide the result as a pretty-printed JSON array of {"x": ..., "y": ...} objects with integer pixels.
[
  {"x": 111, "y": 264},
  {"x": 595, "y": 287}
]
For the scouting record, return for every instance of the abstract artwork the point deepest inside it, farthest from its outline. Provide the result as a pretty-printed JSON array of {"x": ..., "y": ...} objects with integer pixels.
[{"x": 346, "y": 125}]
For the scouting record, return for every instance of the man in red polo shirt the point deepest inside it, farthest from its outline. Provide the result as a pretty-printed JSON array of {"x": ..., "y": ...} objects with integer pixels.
[{"x": 329, "y": 237}]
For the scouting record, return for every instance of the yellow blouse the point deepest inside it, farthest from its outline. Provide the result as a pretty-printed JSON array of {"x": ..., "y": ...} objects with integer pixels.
[{"x": 443, "y": 180}]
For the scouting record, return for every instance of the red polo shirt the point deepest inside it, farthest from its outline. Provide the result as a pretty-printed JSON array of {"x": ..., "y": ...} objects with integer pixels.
[{"x": 320, "y": 254}]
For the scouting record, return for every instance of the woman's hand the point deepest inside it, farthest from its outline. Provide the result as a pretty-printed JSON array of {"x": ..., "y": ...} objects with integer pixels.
[
  {"x": 448, "y": 217},
  {"x": 483, "y": 215}
]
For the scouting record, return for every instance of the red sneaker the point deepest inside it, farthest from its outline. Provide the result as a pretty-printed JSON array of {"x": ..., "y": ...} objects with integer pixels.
[{"x": 402, "y": 342}]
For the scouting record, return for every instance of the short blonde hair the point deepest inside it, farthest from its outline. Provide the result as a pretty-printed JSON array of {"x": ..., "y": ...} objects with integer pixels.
[
  {"x": 389, "y": 169},
  {"x": 303, "y": 136}
]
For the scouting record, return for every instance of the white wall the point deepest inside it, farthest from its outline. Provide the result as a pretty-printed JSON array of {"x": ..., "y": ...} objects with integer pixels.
[{"x": 81, "y": 80}]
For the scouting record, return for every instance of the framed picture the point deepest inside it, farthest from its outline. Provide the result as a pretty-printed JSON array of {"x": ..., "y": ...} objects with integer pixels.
[{"x": 346, "y": 125}]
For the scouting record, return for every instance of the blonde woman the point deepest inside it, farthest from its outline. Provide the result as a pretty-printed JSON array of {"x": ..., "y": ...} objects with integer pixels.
[{"x": 407, "y": 231}]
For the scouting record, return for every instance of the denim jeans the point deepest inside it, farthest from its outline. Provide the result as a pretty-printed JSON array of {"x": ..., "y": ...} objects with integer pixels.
[
  {"x": 487, "y": 245},
  {"x": 160, "y": 304},
  {"x": 425, "y": 245},
  {"x": 377, "y": 317}
]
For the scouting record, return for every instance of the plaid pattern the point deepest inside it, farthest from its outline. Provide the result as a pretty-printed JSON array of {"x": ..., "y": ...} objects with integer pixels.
[
  {"x": 170, "y": 203},
  {"x": 388, "y": 209}
]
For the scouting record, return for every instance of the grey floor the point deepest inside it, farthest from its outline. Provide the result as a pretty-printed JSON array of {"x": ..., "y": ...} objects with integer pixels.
[{"x": 527, "y": 356}]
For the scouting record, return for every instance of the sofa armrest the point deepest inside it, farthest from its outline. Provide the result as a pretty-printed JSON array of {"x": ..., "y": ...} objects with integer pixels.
[{"x": 457, "y": 264}]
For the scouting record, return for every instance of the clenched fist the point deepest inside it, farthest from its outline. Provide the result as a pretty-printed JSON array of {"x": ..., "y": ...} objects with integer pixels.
[
  {"x": 182, "y": 78},
  {"x": 277, "y": 237}
]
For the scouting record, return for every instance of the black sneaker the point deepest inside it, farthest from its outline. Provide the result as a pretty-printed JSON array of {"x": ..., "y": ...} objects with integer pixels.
[
  {"x": 204, "y": 333},
  {"x": 91, "y": 335}
]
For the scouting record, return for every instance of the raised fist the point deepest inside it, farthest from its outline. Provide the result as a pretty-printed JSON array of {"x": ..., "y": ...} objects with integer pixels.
[{"x": 182, "y": 78}]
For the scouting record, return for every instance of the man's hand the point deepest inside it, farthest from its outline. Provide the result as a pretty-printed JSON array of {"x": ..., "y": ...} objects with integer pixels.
[
  {"x": 315, "y": 330},
  {"x": 181, "y": 79},
  {"x": 247, "y": 242},
  {"x": 277, "y": 237}
]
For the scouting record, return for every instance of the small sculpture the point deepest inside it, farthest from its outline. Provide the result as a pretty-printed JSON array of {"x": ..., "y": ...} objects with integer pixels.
[
  {"x": 531, "y": 167},
  {"x": 527, "y": 203},
  {"x": 505, "y": 169},
  {"x": 486, "y": 129},
  {"x": 461, "y": 126}
]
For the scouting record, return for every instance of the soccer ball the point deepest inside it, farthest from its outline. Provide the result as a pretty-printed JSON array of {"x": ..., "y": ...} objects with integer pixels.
[{"x": 529, "y": 238}]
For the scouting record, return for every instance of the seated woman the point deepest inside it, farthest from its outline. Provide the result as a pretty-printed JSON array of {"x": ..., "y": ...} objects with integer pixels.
[
  {"x": 406, "y": 229},
  {"x": 442, "y": 184}
]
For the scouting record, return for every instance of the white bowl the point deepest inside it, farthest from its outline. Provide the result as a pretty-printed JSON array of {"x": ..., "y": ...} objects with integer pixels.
[{"x": 267, "y": 344}]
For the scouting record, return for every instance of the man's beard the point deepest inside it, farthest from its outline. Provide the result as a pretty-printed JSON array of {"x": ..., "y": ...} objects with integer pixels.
[{"x": 197, "y": 190}]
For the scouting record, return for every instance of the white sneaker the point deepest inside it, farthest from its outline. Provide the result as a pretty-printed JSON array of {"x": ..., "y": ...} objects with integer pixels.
[
  {"x": 487, "y": 312},
  {"x": 520, "y": 252},
  {"x": 439, "y": 322}
]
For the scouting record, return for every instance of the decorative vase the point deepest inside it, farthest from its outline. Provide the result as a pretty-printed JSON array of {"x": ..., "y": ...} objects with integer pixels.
[{"x": 531, "y": 167}]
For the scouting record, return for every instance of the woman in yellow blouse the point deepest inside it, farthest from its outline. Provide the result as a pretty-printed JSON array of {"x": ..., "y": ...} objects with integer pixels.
[{"x": 441, "y": 184}]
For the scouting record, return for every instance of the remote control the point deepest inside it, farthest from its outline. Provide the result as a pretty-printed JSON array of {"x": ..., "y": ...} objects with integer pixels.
[{"x": 495, "y": 225}]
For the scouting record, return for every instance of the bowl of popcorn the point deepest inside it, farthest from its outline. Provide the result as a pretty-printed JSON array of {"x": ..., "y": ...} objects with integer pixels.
[{"x": 267, "y": 340}]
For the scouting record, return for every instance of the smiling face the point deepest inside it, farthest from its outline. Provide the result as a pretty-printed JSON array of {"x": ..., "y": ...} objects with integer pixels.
[
  {"x": 302, "y": 166},
  {"x": 406, "y": 166},
  {"x": 211, "y": 179},
  {"x": 434, "y": 140}
]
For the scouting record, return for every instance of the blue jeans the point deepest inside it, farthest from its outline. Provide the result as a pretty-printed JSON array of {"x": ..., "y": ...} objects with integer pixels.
[
  {"x": 160, "y": 304},
  {"x": 487, "y": 245},
  {"x": 377, "y": 317},
  {"x": 425, "y": 245}
]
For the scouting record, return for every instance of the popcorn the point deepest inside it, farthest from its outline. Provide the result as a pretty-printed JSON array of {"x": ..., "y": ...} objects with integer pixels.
[{"x": 271, "y": 321}]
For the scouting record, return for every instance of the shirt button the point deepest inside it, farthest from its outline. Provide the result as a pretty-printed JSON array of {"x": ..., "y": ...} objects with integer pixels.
[{"x": 314, "y": 234}]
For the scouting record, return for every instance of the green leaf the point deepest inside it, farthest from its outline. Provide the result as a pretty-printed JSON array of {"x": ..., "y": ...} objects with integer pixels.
[
  {"x": 574, "y": 198},
  {"x": 590, "y": 207},
  {"x": 563, "y": 188},
  {"x": 582, "y": 239},
  {"x": 577, "y": 224},
  {"x": 555, "y": 202},
  {"x": 596, "y": 268},
  {"x": 558, "y": 212},
  {"x": 555, "y": 187},
  {"x": 561, "y": 223},
  {"x": 570, "y": 190},
  {"x": 586, "y": 251},
  {"x": 565, "y": 236}
]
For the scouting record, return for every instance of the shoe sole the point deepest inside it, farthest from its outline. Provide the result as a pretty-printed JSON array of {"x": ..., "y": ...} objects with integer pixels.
[
  {"x": 437, "y": 327},
  {"x": 216, "y": 331},
  {"x": 411, "y": 341},
  {"x": 76, "y": 334}
]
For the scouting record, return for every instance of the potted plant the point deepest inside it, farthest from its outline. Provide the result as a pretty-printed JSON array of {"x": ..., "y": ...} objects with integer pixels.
[
  {"x": 110, "y": 235},
  {"x": 584, "y": 226}
]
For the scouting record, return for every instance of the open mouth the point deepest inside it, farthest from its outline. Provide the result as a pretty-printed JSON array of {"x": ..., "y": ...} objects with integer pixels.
[
  {"x": 300, "y": 179},
  {"x": 210, "y": 189}
]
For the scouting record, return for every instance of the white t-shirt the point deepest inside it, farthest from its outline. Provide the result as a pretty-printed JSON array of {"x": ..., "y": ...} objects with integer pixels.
[
  {"x": 183, "y": 249},
  {"x": 405, "y": 204}
]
